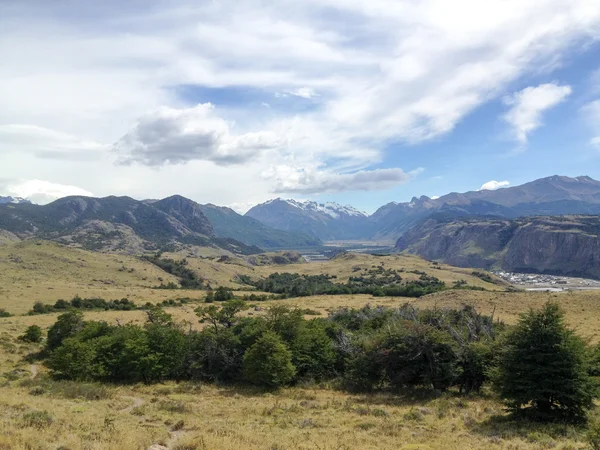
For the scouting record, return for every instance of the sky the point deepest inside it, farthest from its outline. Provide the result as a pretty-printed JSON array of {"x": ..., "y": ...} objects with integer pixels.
[{"x": 361, "y": 102}]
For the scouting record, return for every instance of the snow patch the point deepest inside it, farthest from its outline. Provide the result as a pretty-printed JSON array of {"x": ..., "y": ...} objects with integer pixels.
[{"x": 331, "y": 209}]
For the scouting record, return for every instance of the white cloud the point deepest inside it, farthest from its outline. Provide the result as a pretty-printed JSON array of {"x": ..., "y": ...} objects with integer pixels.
[
  {"x": 493, "y": 185},
  {"x": 311, "y": 180},
  {"x": 528, "y": 105},
  {"x": 592, "y": 114},
  {"x": 406, "y": 72},
  {"x": 43, "y": 192},
  {"x": 46, "y": 143},
  {"x": 304, "y": 92},
  {"x": 174, "y": 136}
]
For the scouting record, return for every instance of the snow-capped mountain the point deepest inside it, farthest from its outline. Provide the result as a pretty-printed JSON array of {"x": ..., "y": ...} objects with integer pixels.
[
  {"x": 332, "y": 209},
  {"x": 326, "y": 221},
  {"x": 13, "y": 200}
]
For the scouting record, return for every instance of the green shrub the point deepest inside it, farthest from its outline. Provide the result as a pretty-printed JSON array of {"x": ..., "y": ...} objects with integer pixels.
[
  {"x": 593, "y": 436},
  {"x": 313, "y": 351},
  {"x": 222, "y": 294},
  {"x": 32, "y": 334},
  {"x": 476, "y": 359},
  {"x": 269, "y": 362},
  {"x": 419, "y": 355},
  {"x": 363, "y": 371},
  {"x": 214, "y": 355}
]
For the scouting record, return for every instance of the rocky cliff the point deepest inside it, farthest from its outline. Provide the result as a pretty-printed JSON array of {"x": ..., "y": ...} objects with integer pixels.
[{"x": 565, "y": 245}]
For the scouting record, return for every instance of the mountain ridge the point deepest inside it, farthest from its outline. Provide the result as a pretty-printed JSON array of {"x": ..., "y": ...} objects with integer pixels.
[
  {"x": 554, "y": 195},
  {"x": 117, "y": 224}
]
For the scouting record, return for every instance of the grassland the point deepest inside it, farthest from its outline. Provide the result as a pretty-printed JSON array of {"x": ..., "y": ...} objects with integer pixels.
[
  {"x": 37, "y": 413},
  {"x": 189, "y": 416},
  {"x": 44, "y": 271}
]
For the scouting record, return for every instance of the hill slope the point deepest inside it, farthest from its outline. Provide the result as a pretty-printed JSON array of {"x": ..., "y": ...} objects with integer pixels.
[
  {"x": 568, "y": 245},
  {"x": 229, "y": 224},
  {"x": 45, "y": 271}
]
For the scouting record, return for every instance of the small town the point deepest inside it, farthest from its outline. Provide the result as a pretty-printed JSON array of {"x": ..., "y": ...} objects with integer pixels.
[{"x": 544, "y": 282}]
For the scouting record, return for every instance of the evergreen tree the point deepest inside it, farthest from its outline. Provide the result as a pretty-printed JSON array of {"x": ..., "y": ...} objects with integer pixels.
[{"x": 543, "y": 370}]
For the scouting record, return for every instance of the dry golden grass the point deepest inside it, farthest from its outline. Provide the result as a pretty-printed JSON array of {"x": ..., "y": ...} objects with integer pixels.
[
  {"x": 191, "y": 416},
  {"x": 44, "y": 271},
  {"x": 184, "y": 416},
  {"x": 34, "y": 271},
  {"x": 582, "y": 308}
]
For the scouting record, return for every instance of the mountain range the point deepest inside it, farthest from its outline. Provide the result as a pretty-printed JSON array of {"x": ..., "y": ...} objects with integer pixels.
[
  {"x": 545, "y": 225},
  {"x": 124, "y": 224},
  {"x": 556, "y": 195}
]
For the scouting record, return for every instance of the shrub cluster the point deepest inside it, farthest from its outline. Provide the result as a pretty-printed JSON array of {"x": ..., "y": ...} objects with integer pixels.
[
  {"x": 364, "y": 349},
  {"x": 377, "y": 283},
  {"x": 83, "y": 303},
  {"x": 79, "y": 303},
  {"x": 538, "y": 367},
  {"x": 187, "y": 277}
]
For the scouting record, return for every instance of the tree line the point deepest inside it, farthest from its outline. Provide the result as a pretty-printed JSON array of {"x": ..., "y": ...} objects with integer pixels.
[
  {"x": 296, "y": 285},
  {"x": 539, "y": 367}
]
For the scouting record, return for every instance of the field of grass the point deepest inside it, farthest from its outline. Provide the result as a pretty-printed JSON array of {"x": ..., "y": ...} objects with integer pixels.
[
  {"x": 44, "y": 271},
  {"x": 38, "y": 413},
  {"x": 34, "y": 271}
]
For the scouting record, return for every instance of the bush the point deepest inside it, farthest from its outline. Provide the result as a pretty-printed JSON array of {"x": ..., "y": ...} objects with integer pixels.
[
  {"x": 222, "y": 294},
  {"x": 313, "y": 352},
  {"x": 475, "y": 363},
  {"x": 419, "y": 355},
  {"x": 363, "y": 370},
  {"x": 214, "y": 355},
  {"x": 32, "y": 334},
  {"x": 366, "y": 348},
  {"x": 269, "y": 362},
  {"x": 37, "y": 419},
  {"x": 543, "y": 371},
  {"x": 4, "y": 313}
]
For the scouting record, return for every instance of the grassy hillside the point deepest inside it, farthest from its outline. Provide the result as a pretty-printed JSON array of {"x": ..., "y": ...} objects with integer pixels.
[
  {"x": 43, "y": 271},
  {"x": 34, "y": 271}
]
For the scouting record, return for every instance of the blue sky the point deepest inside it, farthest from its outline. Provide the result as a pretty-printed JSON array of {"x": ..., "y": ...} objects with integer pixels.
[{"x": 234, "y": 103}]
